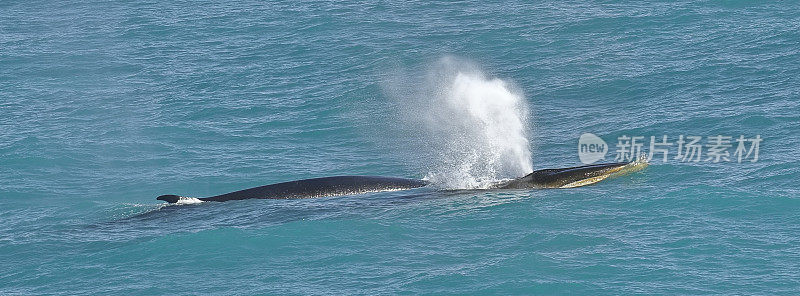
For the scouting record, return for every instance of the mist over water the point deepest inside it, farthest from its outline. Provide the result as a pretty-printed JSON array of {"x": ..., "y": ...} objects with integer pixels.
[{"x": 473, "y": 125}]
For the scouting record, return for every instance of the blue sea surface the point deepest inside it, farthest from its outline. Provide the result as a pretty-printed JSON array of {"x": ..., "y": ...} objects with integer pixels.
[{"x": 106, "y": 105}]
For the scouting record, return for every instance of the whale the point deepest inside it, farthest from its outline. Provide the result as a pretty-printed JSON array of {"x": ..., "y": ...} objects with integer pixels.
[
  {"x": 570, "y": 177},
  {"x": 310, "y": 188}
]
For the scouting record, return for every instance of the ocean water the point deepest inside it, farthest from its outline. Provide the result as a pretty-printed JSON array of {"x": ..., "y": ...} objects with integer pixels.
[{"x": 106, "y": 105}]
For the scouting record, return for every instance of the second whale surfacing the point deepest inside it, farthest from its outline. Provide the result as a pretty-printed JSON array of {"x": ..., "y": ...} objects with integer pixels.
[{"x": 346, "y": 185}]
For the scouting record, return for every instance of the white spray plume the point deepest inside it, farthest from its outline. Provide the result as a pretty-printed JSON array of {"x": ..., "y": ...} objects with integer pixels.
[{"x": 475, "y": 126}]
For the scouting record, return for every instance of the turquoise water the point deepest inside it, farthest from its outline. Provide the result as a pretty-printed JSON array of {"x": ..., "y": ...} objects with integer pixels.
[{"x": 106, "y": 105}]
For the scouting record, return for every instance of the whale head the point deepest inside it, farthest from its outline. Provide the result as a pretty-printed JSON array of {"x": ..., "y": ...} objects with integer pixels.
[{"x": 575, "y": 176}]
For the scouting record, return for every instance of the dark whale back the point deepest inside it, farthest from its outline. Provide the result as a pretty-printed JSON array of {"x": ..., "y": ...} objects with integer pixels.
[
  {"x": 345, "y": 185},
  {"x": 317, "y": 187}
]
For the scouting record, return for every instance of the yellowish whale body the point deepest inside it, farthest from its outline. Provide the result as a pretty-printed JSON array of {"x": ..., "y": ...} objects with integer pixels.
[{"x": 574, "y": 176}]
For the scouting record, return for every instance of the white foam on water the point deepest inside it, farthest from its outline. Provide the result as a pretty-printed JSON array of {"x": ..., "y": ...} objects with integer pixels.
[
  {"x": 188, "y": 201},
  {"x": 474, "y": 125}
]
